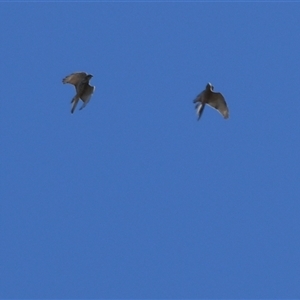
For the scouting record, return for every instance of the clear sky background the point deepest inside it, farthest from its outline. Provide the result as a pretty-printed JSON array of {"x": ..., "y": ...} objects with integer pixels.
[{"x": 132, "y": 197}]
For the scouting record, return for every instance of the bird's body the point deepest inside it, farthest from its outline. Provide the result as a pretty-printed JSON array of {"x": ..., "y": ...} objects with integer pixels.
[
  {"x": 215, "y": 100},
  {"x": 83, "y": 89}
]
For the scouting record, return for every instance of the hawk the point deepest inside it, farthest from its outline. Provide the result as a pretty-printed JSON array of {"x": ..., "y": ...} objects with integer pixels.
[
  {"x": 215, "y": 100},
  {"x": 84, "y": 91}
]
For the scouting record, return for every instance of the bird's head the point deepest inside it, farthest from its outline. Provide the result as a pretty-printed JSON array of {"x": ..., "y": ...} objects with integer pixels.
[
  {"x": 88, "y": 77},
  {"x": 209, "y": 86}
]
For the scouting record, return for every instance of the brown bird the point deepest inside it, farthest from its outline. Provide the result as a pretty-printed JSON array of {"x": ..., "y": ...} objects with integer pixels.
[
  {"x": 215, "y": 100},
  {"x": 84, "y": 91}
]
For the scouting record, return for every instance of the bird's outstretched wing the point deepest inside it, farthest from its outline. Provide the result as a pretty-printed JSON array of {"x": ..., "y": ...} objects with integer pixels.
[
  {"x": 74, "y": 103},
  {"x": 199, "y": 105},
  {"x": 218, "y": 102},
  {"x": 75, "y": 78},
  {"x": 199, "y": 109},
  {"x": 199, "y": 97}
]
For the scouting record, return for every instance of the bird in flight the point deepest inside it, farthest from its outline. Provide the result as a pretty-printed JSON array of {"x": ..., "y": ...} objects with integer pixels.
[
  {"x": 83, "y": 89},
  {"x": 215, "y": 100}
]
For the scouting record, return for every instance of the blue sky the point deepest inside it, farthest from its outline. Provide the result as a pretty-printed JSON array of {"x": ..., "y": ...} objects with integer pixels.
[{"x": 132, "y": 197}]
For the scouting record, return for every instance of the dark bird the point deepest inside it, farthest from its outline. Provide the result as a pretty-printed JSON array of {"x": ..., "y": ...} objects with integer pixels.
[
  {"x": 215, "y": 100},
  {"x": 83, "y": 89}
]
